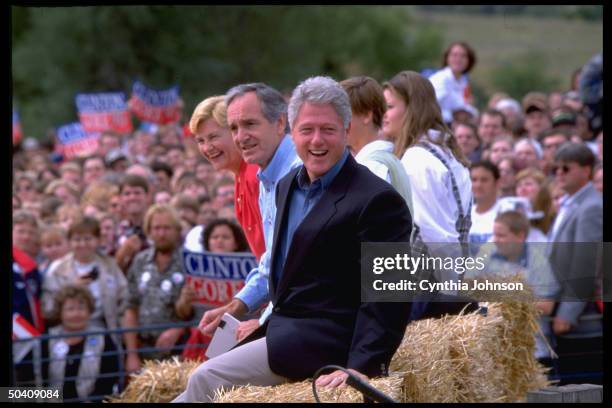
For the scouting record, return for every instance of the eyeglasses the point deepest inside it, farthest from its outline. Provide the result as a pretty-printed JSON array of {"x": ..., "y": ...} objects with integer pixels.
[
  {"x": 551, "y": 146},
  {"x": 564, "y": 168}
]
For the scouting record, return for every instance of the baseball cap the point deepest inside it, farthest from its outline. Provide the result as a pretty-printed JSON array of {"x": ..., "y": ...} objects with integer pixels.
[
  {"x": 535, "y": 101},
  {"x": 113, "y": 156}
]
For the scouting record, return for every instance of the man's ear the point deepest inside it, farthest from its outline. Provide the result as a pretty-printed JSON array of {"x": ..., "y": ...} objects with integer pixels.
[
  {"x": 281, "y": 125},
  {"x": 348, "y": 129},
  {"x": 368, "y": 117}
]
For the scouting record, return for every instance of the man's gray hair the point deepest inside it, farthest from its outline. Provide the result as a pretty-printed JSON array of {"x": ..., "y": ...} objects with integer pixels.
[
  {"x": 320, "y": 90},
  {"x": 273, "y": 104}
]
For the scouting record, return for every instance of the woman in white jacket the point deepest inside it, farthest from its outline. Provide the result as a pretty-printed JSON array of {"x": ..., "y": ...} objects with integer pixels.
[{"x": 436, "y": 167}]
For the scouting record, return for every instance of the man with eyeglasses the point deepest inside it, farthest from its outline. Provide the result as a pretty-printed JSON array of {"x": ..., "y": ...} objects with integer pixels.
[
  {"x": 579, "y": 221},
  {"x": 551, "y": 140}
]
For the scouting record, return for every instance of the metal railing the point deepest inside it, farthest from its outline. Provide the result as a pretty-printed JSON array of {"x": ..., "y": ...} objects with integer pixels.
[
  {"x": 121, "y": 374},
  {"x": 120, "y": 353}
]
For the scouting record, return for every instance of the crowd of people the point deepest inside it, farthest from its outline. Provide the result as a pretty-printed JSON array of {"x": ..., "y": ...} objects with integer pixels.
[{"x": 97, "y": 240}]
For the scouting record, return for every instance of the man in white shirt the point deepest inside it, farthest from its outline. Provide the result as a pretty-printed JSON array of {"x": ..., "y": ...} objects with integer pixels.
[{"x": 485, "y": 177}]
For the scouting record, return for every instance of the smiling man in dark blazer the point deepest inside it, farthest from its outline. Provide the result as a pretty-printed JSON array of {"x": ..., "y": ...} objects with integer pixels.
[{"x": 325, "y": 210}]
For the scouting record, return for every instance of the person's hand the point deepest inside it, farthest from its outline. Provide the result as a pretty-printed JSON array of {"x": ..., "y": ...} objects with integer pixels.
[
  {"x": 188, "y": 294},
  {"x": 545, "y": 307},
  {"x": 561, "y": 326},
  {"x": 337, "y": 378},
  {"x": 132, "y": 363},
  {"x": 168, "y": 338},
  {"x": 211, "y": 320},
  {"x": 246, "y": 328},
  {"x": 83, "y": 280},
  {"x": 132, "y": 245}
]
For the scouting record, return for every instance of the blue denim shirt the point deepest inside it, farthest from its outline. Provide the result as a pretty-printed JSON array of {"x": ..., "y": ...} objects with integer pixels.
[
  {"x": 301, "y": 201},
  {"x": 255, "y": 292}
]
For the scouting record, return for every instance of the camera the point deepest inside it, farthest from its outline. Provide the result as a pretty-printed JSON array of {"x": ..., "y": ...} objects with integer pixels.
[
  {"x": 135, "y": 230},
  {"x": 93, "y": 275}
]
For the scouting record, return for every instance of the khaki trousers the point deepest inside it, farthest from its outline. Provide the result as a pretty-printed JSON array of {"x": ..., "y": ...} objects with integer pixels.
[{"x": 247, "y": 364}]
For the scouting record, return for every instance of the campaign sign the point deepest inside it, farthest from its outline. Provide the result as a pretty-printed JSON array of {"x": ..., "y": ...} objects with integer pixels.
[
  {"x": 17, "y": 132},
  {"x": 74, "y": 141},
  {"x": 104, "y": 111},
  {"x": 215, "y": 277},
  {"x": 159, "y": 107}
]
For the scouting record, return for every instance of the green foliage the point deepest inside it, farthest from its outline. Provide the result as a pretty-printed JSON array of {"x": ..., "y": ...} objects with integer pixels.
[
  {"x": 580, "y": 12},
  {"x": 58, "y": 52},
  {"x": 521, "y": 75}
]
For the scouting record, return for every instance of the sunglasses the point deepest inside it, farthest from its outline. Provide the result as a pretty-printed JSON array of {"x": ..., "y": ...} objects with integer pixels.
[{"x": 564, "y": 169}]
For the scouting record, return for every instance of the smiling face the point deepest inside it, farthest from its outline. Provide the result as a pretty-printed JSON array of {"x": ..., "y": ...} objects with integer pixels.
[
  {"x": 255, "y": 137},
  {"x": 457, "y": 59},
  {"x": 319, "y": 137},
  {"x": 394, "y": 115},
  {"x": 216, "y": 145},
  {"x": 75, "y": 315},
  {"x": 134, "y": 200}
]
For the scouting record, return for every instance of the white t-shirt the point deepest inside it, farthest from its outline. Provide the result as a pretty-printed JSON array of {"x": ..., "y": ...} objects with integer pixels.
[{"x": 482, "y": 224}]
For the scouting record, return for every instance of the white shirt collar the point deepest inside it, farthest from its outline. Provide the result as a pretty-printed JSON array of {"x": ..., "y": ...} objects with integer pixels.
[{"x": 374, "y": 146}]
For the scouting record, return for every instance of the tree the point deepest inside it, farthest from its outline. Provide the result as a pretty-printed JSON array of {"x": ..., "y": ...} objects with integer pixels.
[{"x": 58, "y": 52}]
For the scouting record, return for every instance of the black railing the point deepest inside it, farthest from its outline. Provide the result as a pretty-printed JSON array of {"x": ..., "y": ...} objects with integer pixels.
[{"x": 120, "y": 352}]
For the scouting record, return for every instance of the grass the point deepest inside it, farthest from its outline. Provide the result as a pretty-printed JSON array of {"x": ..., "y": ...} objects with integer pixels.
[{"x": 497, "y": 39}]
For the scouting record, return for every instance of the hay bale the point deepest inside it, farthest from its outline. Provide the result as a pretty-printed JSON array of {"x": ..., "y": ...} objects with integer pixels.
[
  {"x": 158, "y": 381},
  {"x": 471, "y": 357},
  {"x": 302, "y": 392}
]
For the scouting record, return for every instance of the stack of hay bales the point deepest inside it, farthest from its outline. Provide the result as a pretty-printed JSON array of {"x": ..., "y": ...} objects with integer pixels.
[{"x": 463, "y": 358}]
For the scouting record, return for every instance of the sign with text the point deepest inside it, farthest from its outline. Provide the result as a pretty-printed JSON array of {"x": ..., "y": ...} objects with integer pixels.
[
  {"x": 104, "y": 111},
  {"x": 150, "y": 105},
  {"x": 74, "y": 141},
  {"x": 17, "y": 132},
  {"x": 217, "y": 277}
]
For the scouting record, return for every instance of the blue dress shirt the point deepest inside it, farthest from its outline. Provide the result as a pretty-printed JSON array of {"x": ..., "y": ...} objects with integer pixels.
[{"x": 255, "y": 292}]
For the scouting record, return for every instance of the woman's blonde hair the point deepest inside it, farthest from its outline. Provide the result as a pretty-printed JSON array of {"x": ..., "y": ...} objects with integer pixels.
[
  {"x": 213, "y": 107},
  {"x": 542, "y": 201},
  {"x": 99, "y": 194},
  {"x": 422, "y": 114}
]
